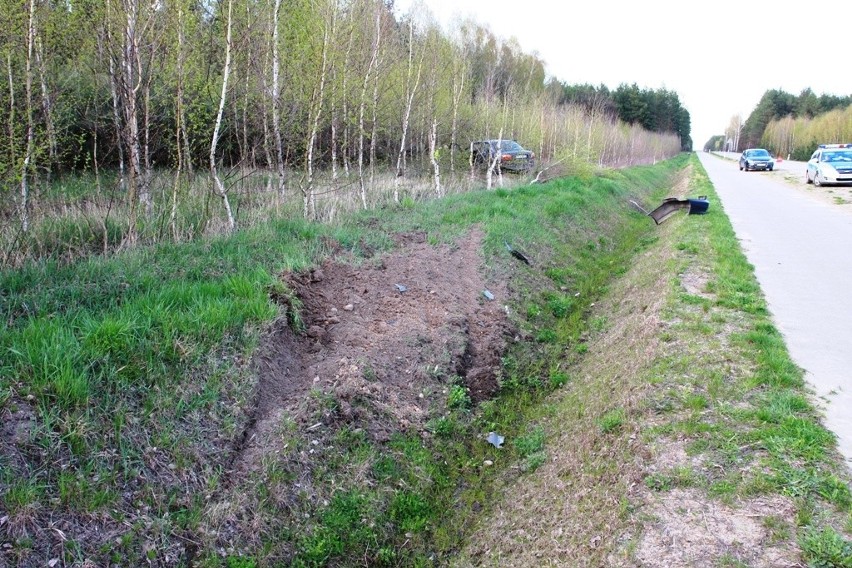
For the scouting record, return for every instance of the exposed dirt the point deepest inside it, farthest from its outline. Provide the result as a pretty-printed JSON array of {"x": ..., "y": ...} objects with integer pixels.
[
  {"x": 688, "y": 529},
  {"x": 381, "y": 341}
]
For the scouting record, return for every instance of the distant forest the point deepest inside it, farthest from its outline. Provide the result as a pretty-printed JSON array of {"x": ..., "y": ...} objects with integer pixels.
[
  {"x": 789, "y": 125},
  {"x": 655, "y": 110}
]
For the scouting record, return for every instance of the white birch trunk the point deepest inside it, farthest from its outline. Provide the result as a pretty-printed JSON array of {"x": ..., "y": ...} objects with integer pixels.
[
  {"x": 116, "y": 115},
  {"x": 276, "y": 100},
  {"x": 338, "y": 148},
  {"x": 495, "y": 163},
  {"x": 458, "y": 90},
  {"x": 219, "y": 186},
  {"x": 46, "y": 103},
  {"x": 180, "y": 131},
  {"x": 361, "y": 110},
  {"x": 13, "y": 157},
  {"x": 145, "y": 195},
  {"x": 411, "y": 91},
  {"x": 374, "y": 131},
  {"x": 28, "y": 152},
  {"x": 130, "y": 84},
  {"x": 344, "y": 147},
  {"x": 333, "y": 116},
  {"x": 436, "y": 167},
  {"x": 145, "y": 179},
  {"x": 319, "y": 95}
]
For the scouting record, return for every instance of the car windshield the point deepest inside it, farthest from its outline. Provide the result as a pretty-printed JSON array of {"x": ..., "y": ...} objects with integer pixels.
[
  {"x": 843, "y": 156},
  {"x": 757, "y": 154},
  {"x": 507, "y": 146}
]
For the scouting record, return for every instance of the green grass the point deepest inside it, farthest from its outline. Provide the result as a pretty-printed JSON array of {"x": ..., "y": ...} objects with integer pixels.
[
  {"x": 612, "y": 421},
  {"x": 825, "y": 548},
  {"x": 741, "y": 403}
]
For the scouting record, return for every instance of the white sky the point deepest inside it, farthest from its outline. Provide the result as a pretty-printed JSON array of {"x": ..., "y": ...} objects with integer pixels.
[{"x": 719, "y": 57}]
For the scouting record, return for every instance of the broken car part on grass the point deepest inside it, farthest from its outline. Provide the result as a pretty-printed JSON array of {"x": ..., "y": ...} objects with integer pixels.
[{"x": 671, "y": 205}]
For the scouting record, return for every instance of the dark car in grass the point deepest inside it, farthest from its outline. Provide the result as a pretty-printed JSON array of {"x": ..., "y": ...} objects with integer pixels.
[
  {"x": 511, "y": 156},
  {"x": 756, "y": 159}
]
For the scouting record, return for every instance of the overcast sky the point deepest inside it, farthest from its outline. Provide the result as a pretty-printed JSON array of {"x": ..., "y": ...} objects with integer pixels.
[{"x": 719, "y": 57}]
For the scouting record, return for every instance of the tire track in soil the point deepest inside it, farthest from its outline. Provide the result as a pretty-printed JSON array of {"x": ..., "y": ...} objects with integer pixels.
[{"x": 384, "y": 355}]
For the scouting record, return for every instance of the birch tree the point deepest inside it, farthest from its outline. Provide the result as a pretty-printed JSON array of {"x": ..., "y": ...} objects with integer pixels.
[
  {"x": 410, "y": 92},
  {"x": 219, "y": 186},
  {"x": 46, "y": 102},
  {"x": 436, "y": 167},
  {"x": 276, "y": 98},
  {"x": 28, "y": 161},
  {"x": 363, "y": 102},
  {"x": 316, "y": 111},
  {"x": 129, "y": 84},
  {"x": 374, "y": 129},
  {"x": 459, "y": 74}
]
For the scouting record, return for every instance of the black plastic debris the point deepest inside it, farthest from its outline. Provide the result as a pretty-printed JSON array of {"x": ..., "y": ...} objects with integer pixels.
[
  {"x": 672, "y": 205},
  {"x": 516, "y": 253}
]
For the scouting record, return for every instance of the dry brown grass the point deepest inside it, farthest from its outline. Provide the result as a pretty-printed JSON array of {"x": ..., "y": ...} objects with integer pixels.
[{"x": 81, "y": 217}]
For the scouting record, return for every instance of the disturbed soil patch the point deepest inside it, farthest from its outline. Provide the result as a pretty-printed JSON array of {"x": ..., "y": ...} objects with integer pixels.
[
  {"x": 691, "y": 530},
  {"x": 380, "y": 344}
]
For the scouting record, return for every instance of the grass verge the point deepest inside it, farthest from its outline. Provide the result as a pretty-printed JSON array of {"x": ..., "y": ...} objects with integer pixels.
[{"x": 687, "y": 435}]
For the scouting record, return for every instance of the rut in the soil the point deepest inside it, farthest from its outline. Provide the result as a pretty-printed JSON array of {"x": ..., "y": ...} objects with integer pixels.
[{"x": 382, "y": 341}]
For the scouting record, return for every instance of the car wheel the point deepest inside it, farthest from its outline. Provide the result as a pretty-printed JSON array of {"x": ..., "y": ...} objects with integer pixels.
[
  {"x": 769, "y": 169},
  {"x": 807, "y": 177},
  {"x": 741, "y": 167},
  {"x": 817, "y": 182}
]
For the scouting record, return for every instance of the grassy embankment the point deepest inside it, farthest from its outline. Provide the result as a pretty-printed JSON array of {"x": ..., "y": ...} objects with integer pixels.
[
  {"x": 126, "y": 383},
  {"x": 686, "y": 436},
  {"x": 128, "y": 379}
]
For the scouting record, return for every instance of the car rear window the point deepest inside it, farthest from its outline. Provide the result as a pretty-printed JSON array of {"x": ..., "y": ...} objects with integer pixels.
[{"x": 508, "y": 146}]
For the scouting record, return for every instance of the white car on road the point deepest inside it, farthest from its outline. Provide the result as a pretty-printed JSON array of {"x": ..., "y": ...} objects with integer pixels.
[{"x": 830, "y": 163}]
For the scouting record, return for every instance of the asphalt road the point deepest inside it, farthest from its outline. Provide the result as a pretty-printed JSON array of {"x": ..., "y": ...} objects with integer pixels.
[{"x": 801, "y": 248}]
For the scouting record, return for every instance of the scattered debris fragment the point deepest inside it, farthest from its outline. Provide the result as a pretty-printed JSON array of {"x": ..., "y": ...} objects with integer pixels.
[
  {"x": 488, "y": 294},
  {"x": 671, "y": 205},
  {"x": 516, "y": 253},
  {"x": 639, "y": 207},
  {"x": 495, "y": 439},
  {"x": 400, "y": 287}
]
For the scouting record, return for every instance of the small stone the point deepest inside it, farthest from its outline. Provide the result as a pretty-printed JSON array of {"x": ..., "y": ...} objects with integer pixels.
[
  {"x": 488, "y": 463},
  {"x": 348, "y": 307}
]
